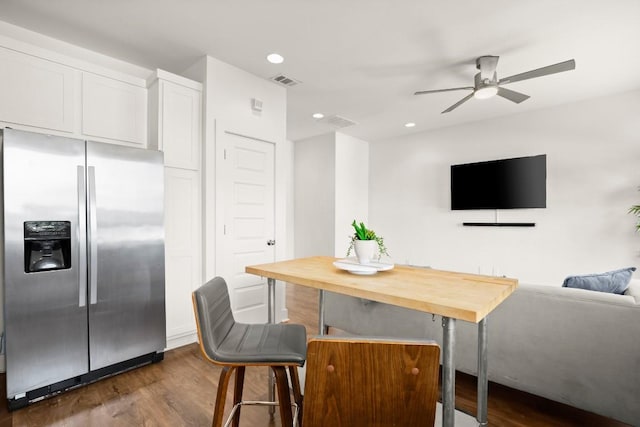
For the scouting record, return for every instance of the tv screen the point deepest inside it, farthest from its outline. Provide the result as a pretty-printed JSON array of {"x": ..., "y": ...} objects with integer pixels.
[{"x": 500, "y": 184}]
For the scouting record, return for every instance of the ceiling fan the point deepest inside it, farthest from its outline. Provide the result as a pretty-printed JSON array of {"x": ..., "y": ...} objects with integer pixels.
[{"x": 486, "y": 83}]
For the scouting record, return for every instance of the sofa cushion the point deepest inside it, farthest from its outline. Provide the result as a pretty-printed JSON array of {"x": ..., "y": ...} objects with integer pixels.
[{"x": 616, "y": 281}]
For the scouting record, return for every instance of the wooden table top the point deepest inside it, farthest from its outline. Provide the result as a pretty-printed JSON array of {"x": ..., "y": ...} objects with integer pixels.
[{"x": 462, "y": 296}]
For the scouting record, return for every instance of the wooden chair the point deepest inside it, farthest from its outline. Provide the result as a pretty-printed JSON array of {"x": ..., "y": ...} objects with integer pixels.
[
  {"x": 235, "y": 346},
  {"x": 370, "y": 382}
]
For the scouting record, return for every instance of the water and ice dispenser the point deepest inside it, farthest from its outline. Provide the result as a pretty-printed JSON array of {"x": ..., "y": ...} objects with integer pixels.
[{"x": 47, "y": 246}]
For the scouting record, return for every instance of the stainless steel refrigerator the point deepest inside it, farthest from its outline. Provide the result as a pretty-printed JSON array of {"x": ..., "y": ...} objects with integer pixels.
[{"x": 83, "y": 261}]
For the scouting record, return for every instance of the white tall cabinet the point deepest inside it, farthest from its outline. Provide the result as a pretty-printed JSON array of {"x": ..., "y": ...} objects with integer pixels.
[{"x": 175, "y": 122}]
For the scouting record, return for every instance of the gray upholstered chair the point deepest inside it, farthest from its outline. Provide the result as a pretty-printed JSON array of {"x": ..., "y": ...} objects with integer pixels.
[
  {"x": 370, "y": 382},
  {"x": 235, "y": 346}
]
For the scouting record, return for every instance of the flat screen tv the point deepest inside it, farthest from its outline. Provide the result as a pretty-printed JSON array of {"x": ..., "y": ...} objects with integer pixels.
[{"x": 500, "y": 184}]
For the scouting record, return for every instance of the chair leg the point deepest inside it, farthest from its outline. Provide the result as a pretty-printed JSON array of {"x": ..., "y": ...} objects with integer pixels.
[
  {"x": 297, "y": 393},
  {"x": 237, "y": 394},
  {"x": 282, "y": 384},
  {"x": 223, "y": 386}
]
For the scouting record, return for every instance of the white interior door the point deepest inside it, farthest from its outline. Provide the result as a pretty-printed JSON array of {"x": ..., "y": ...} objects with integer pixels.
[{"x": 247, "y": 188}]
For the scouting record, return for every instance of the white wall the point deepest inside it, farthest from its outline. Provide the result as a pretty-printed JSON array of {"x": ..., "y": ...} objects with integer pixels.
[
  {"x": 351, "y": 189},
  {"x": 314, "y": 195},
  {"x": 233, "y": 88},
  {"x": 593, "y": 175},
  {"x": 331, "y": 175},
  {"x": 290, "y": 208}
]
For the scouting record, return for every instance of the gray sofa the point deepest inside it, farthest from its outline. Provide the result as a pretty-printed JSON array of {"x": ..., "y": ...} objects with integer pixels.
[{"x": 569, "y": 345}]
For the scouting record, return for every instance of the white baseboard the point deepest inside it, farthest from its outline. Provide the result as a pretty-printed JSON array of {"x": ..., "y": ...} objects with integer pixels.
[{"x": 181, "y": 339}]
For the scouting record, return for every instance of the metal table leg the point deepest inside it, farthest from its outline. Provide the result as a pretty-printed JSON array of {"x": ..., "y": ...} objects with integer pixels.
[
  {"x": 448, "y": 371},
  {"x": 483, "y": 378},
  {"x": 271, "y": 300},
  {"x": 271, "y": 318},
  {"x": 321, "y": 326}
]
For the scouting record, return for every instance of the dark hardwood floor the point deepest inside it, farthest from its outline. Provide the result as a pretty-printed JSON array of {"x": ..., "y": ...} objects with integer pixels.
[{"x": 180, "y": 391}]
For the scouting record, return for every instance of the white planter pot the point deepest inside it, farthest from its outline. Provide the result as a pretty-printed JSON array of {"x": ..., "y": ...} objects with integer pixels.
[{"x": 366, "y": 250}]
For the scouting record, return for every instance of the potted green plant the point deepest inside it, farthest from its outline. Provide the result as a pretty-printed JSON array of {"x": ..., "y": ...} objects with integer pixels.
[
  {"x": 366, "y": 244},
  {"x": 636, "y": 211}
]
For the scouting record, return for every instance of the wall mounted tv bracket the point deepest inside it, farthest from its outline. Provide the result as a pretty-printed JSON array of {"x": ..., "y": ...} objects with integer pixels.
[{"x": 499, "y": 224}]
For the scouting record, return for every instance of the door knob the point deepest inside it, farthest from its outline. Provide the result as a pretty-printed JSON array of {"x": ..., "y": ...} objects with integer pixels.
[{"x": 271, "y": 242}]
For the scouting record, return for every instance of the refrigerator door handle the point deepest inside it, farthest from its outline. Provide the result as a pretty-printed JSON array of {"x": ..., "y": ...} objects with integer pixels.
[
  {"x": 93, "y": 244},
  {"x": 81, "y": 233}
]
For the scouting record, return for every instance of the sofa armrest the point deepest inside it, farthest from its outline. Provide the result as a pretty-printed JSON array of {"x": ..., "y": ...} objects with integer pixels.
[{"x": 634, "y": 290}]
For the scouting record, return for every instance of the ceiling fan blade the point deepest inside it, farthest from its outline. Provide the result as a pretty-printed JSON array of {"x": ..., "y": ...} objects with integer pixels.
[
  {"x": 487, "y": 66},
  {"x": 544, "y": 71},
  {"x": 512, "y": 95},
  {"x": 422, "y": 92},
  {"x": 457, "y": 104}
]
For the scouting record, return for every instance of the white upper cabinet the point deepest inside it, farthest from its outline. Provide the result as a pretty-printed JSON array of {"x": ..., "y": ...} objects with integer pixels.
[
  {"x": 42, "y": 92},
  {"x": 113, "y": 109},
  {"x": 175, "y": 109},
  {"x": 36, "y": 92}
]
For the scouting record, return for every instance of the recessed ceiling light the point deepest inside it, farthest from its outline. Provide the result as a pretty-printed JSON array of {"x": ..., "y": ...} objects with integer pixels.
[
  {"x": 317, "y": 115},
  {"x": 275, "y": 58},
  {"x": 410, "y": 125}
]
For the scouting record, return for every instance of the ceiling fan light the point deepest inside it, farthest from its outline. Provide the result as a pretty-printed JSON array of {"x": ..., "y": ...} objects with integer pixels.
[{"x": 485, "y": 92}]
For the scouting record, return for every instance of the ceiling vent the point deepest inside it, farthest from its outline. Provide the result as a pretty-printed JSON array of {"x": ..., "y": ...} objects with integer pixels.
[
  {"x": 337, "y": 121},
  {"x": 284, "y": 80}
]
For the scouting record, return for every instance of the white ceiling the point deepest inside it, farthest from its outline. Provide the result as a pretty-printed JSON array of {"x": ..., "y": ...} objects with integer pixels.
[{"x": 363, "y": 59}]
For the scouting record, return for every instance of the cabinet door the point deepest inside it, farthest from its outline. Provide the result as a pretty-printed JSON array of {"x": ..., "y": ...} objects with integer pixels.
[
  {"x": 35, "y": 92},
  {"x": 113, "y": 109},
  {"x": 182, "y": 251},
  {"x": 180, "y": 125}
]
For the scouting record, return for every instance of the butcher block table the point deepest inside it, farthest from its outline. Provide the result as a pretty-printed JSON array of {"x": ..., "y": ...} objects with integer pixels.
[{"x": 454, "y": 296}]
